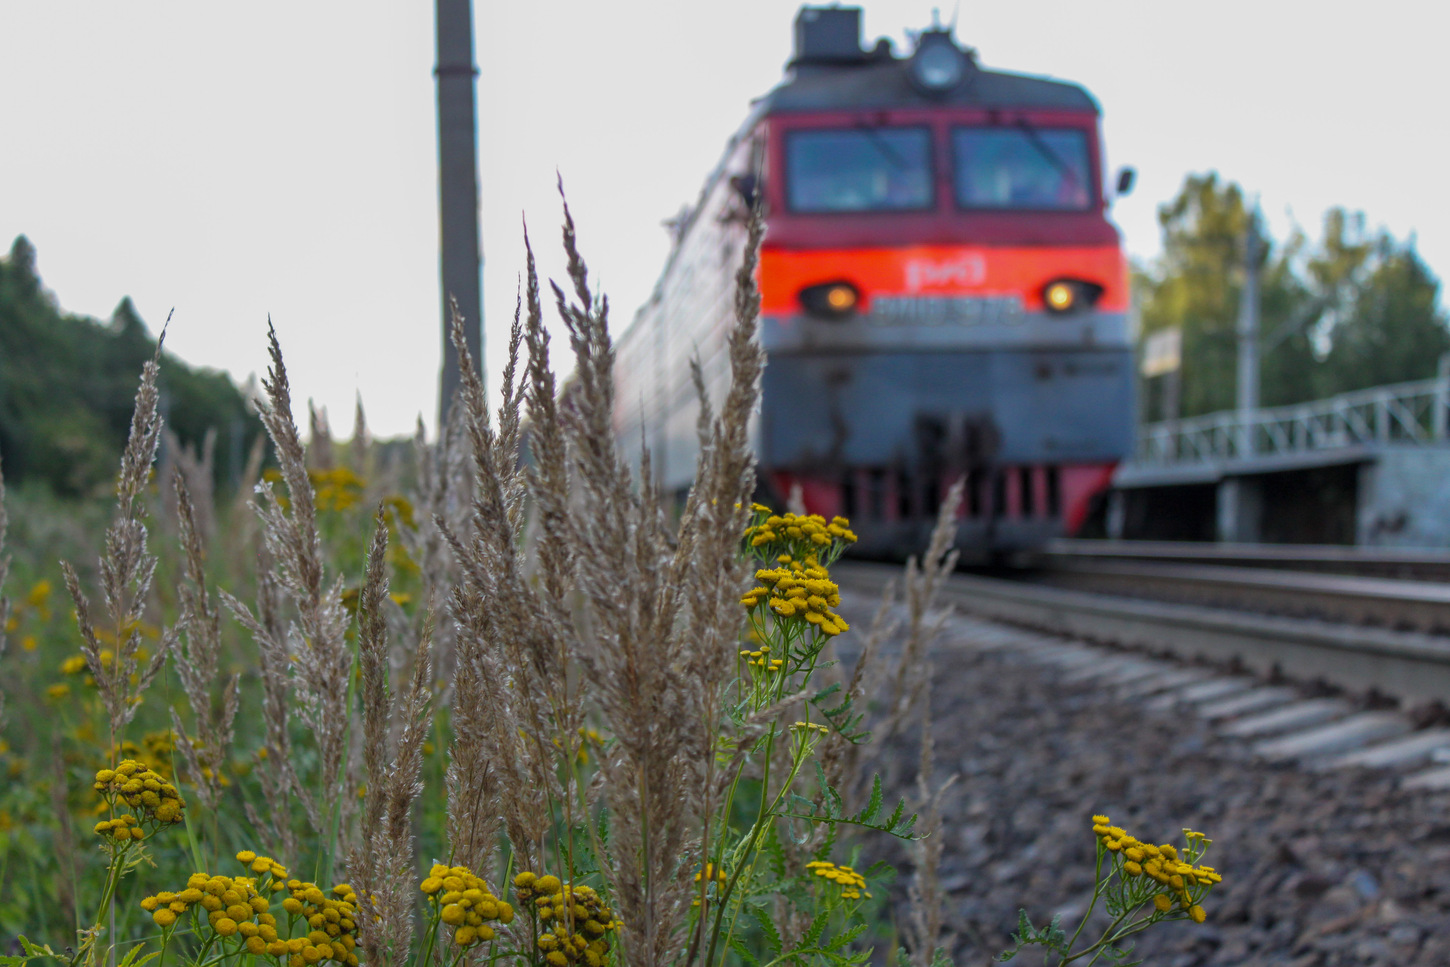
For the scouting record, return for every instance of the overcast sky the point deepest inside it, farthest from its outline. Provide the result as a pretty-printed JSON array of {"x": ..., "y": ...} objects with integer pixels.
[{"x": 236, "y": 160}]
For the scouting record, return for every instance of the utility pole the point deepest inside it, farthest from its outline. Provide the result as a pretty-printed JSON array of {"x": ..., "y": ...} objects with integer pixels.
[
  {"x": 461, "y": 256},
  {"x": 1248, "y": 327},
  {"x": 1240, "y": 496}
]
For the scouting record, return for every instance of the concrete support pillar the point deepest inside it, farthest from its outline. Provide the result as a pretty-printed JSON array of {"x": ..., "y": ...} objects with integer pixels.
[
  {"x": 1117, "y": 514},
  {"x": 1367, "y": 500},
  {"x": 1240, "y": 510}
]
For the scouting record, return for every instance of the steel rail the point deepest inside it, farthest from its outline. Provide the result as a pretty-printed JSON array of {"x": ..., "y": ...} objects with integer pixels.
[
  {"x": 1383, "y": 602},
  {"x": 1412, "y": 666},
  {"x": 1422, "y": 565}
]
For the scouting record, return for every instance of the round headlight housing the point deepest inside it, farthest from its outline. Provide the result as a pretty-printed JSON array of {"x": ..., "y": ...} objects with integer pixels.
[
  {"x": 1063, "y": 296},
  {"x": 830, "y": 300},
  {"x": 938, "y": 64}
]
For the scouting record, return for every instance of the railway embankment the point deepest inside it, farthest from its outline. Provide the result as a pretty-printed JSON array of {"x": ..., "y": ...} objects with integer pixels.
[{"x": 1326, "y": 861}]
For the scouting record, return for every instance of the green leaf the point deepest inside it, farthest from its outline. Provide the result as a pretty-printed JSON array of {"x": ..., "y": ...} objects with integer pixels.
[
  {"x": 832, "y": 799},
  {"x": 841, "y": 716},
  {"x": 602, "y": 829},
  {"x": 130, "y": 960},
  {"x": 767, "y": 927},
  {"x": 847, "y": 937},
  {"x": 829, "y": 843},
  {"x": 880, "y": 872},
  {"x": 874, "y": 805},
  {"x": 37, "y": 950},
  {"x": 1121, "y": 953},
  {"x": 739, "y": 947},
  {"x": 1027, "y": 935},
  {"x": 774, "y": 853},
  {"x": 813, "y": 932}
]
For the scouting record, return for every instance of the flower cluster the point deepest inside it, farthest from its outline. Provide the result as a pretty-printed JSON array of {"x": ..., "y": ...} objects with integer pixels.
[
  {"x": 710, "y": 874},
  {"x": 121, "y": 828},
  {"x": 800, "y": 588},
  {"x": 713, "y": 878},
  {"x": 337, "y": 489},
  {"x": 332, "y": 920},
  {"x": 851, "y": 883},
  {"x": 154, "y": 752},
  {"x": 760, "y": 659},
  {"x": 146, "y": 791},
  {"x": 36, "y": 602},
  {"x": 796, "y": 532},
  {"x": 233, "y": 908},
  {"x": 76, "y": 665},
  {"x": 465, "y": 903},
  {"x": 807, "y": 734},
  {"x": 239, "y": 907},
  {"x": 266, "y": 866},
  {"x": 1176, "y": 882},
  {"x": 574, "y": 921}
]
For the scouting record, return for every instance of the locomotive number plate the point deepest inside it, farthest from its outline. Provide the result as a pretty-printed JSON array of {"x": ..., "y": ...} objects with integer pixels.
[{"x": 918, "y": 310}]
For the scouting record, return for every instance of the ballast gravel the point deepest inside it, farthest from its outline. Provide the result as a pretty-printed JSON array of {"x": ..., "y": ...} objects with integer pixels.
[{"x": 1320, "y": 869}]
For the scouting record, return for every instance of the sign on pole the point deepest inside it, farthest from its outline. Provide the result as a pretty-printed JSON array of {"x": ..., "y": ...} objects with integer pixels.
[{"x": 1163, "y": 352}]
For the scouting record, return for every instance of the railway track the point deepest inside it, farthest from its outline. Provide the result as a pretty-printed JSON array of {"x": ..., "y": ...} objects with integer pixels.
[
  {"x": 1319, "y": 558},
  {"x": 1236, "y": 667},
  {"x": 1403, "y": 605}
]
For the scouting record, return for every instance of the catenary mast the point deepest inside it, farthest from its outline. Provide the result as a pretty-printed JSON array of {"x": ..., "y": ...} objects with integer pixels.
[{"x": 461, "y": 254}]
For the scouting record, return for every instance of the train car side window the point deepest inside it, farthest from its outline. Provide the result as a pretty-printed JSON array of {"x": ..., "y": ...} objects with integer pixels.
[
  {"x": 860, "y": 169},
  {"x": 1022, "y": 167}
]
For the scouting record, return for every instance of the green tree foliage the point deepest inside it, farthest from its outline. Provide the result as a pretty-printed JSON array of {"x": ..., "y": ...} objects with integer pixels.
[
  {"x": 67, "y": 384},
  {"x": 1384, "y": 324},
  {"x": 1350, "y": 311},
  {"x": 1196, "y": 285}
]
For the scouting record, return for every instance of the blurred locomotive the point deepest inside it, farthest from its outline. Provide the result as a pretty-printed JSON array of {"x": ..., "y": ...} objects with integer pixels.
[{"x": 943, "y": 296}]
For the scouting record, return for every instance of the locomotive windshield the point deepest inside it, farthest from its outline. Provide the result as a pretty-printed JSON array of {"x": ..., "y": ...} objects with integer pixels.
[
  {"x": 859, "y": 169},
  {"x": 1022, "y": 167}
]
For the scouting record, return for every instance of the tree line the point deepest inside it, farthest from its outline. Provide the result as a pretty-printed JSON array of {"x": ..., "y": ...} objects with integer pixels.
[
  {"x": 1351, "y": 309},
  {"x": 68, "y": 382}
]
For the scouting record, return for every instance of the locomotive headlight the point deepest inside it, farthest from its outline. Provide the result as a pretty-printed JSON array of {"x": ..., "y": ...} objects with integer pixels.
[
  {"x": 1060, "y": 296},
  {"x": 830, "y": 300},
  {"x": 938, "y": 65},
  {"x": 841, "y": 298}
]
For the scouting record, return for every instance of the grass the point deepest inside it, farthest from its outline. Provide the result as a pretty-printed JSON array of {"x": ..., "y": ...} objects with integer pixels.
[{"x": 470, "y": 707}]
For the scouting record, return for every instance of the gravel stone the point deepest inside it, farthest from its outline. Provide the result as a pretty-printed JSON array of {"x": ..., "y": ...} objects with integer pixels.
[{"x": 1320, "y": 868}]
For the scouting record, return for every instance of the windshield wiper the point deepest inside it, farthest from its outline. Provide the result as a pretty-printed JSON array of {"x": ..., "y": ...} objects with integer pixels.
[
  {"x": 882, "y": 146},
  {"x": 1043, "y": 148}
]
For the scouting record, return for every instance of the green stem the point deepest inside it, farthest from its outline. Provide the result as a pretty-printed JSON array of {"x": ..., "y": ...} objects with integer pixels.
[
  {"x": 113, "y": 877},
  {"x": 769, "y": 813},
  {"x": 749, "y": 848},
  {"x": 1110, "y": 937},
  {"x": 426, "y": 955},
  {"x": 1097, "y": 891}
]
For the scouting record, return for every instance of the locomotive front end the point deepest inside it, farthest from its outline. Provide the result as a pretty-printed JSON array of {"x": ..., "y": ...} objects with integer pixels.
[{"x": 943, "y": 295}]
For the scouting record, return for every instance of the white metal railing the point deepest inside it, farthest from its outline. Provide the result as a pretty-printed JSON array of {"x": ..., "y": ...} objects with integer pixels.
[{"x": 1401, "y": 413}]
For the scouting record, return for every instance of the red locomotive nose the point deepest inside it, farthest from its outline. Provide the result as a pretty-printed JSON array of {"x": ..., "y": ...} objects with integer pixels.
[{"x": 942, "y": 296}]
